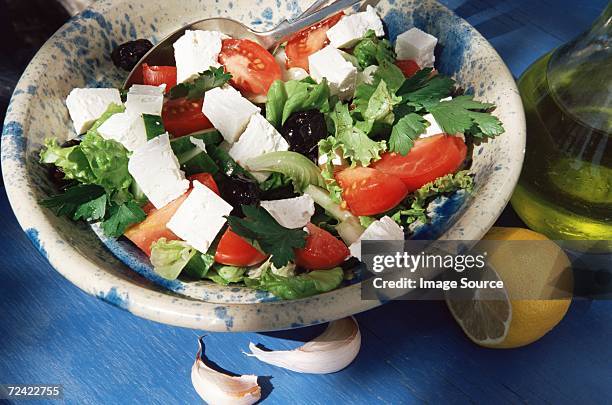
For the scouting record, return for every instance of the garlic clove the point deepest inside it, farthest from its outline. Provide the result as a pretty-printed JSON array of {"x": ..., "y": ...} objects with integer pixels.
[
  {"x": 218, "y": 388},
  {"x": 331, "y": 351}
]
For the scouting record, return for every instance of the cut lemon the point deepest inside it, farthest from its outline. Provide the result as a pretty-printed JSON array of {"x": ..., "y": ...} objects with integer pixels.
[{"x": 504, "y": 318}]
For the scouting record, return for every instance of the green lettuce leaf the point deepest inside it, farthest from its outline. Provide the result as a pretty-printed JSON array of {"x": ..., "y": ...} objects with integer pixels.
[
  {"x": 169, "y": 258},
  {"x": 286, "y": 98},
  {"x": 224, "y": 275},
  {"x": 353, "y": 142},
  {"x": 373, "y": 51},
  {"x": 301, "y": 286}
]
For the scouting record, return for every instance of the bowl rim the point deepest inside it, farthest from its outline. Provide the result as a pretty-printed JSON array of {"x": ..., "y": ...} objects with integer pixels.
[{"x": 170, "y": 308}]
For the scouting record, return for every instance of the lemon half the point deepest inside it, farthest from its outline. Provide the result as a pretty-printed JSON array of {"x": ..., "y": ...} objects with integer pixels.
[{"x": 531, "y": 271}]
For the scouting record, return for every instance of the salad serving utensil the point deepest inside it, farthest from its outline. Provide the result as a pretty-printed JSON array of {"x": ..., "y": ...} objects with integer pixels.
[{"x": 162, "y": 54}]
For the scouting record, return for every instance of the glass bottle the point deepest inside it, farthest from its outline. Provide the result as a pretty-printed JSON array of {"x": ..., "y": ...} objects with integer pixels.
[{"x": 565, "y": 188}]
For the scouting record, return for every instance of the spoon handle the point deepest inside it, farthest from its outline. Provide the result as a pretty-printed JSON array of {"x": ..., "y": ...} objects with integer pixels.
[
  {"x": 316, "y": 5},
  {"x": 286, "y": 28}
]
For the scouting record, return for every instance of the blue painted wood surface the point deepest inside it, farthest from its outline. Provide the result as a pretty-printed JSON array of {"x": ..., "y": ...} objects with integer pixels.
[{"x": 413, "y": 352}]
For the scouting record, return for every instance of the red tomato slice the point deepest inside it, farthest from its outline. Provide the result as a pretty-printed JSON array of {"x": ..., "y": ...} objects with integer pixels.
[
  {"x": 428, "y": 159},
  {"x": 154, "y": 226},
  {"x": 322, "y": 250},
  {"x": 308, "y": 41},
  {"x": 183, "y": 117},
  {"x": 252, "y": 67},
  {"x": 407, "y": 66},
  {"x": 368, "y": 191},
  {"x": 235, "y": 251},
  {"x": 206, "y": 179},
  {"x": 156, "y": 75}
]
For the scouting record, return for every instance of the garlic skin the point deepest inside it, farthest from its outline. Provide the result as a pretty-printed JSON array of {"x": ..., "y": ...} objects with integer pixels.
[
  {"x": 329, "y": 352},
  {"x": 217, "y": 388}
]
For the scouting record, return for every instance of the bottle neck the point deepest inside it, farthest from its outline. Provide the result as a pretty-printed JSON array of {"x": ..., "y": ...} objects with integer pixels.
[{"x": 580, "y": 74}]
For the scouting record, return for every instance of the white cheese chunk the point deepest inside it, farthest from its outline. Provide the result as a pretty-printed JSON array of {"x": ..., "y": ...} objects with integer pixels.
[
  {"x": 228, "y": 111},
  {"x": 87, "y": 105},
  {"x": 416, "y": 45},
  {"x": 125, "y": 128},
  {"x": 195, "y": 52},
  {"x": 291, "y": 213},
  {"x": 157, "y": 172},
  {"x": 258, "y": 138},
  {"x": 200, "y": 217},
  {"x": 143, "y": 99},
  {"x": 433, "y": 129},
  {"x": 383, "y": 229},
  {"x": 294, "y": 73},
  {"x": 366, "y": 76},
  {"x": 351, "y": 28},
  {"x": 341, "y": 75}
]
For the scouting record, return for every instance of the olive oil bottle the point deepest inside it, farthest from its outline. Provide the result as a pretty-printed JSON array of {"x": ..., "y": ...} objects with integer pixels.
[{"x": 565, "y": 188}]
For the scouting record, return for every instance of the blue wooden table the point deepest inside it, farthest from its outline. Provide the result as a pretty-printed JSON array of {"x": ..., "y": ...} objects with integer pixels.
[{"x": 51, "y": 332}]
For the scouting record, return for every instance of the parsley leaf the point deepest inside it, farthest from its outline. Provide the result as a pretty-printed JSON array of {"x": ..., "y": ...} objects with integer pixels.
[
  {"x": 69, "y": 203},
  {"x": 260, "y": 227},
  {"x": 195, "y": 89},
  {"x": 154, "y": 125},
  {"x": 459, "y": 115},
  {"x": 405, "y": 132},
  {"x": 121, "y": 217}
]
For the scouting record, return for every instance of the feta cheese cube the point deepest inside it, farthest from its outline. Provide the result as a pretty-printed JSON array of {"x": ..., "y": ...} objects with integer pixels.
[
  {"x": 366, "y": 76},
  {"x": 157, "y": 172},
  {"x": 342, "y": 75},
  {"x": 143, "y": 99},
  {"x": 294, "y": 73},
  {"x": 87, "y": 105},
  {"x": 228, "y": 111},
  {"x": 416, "y": 45},
  {"x": 195, "y": 52},
  {"x": 383, "y": 229},
  {"x": 125, "y": 128},
  {"x": 351, "y": 28},
  {"x": 291, "y": 213},
  {"x": 433, "y": 129},
  {"x": 200, "y": 217},
  {"x": 258, "y": 138}
]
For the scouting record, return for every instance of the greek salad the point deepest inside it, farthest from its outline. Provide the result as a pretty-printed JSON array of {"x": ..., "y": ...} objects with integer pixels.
[{"x": 242, "y": 166}]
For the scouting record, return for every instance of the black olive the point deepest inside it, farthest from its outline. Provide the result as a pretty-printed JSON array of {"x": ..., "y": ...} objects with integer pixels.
[
  {"x": 56, "y": 175},
  {"x": 127, "y": 55},
  {"x": 238, "y": 190},
  {"x": 303, "y": 130},
  {"x": 279, "y": 193}
]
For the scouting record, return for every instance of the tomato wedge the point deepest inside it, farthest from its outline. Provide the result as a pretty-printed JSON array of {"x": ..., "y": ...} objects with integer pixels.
[
  {"x": 233, "y": 250},
  {"x": 207, "y": 180},
  {"x": 156, "y": 75},
  {"x": 368, "y": 191},
  {"x": 309, "y": 40},
  {"x": 407, "y": 66},
  {"x": 253, "y": 68},
  {"x": 182, "y": 117},
  {"x": 428, "y": 159},
  {"x": 154, "y": 226},
  {"x": 322, "y": 250}
]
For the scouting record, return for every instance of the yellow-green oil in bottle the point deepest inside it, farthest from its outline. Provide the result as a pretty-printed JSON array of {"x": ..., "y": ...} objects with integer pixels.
[{"x": 565, "y": 188}]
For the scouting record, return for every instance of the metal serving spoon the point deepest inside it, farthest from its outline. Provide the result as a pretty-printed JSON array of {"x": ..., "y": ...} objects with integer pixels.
[{"x": 162, "y": 54}]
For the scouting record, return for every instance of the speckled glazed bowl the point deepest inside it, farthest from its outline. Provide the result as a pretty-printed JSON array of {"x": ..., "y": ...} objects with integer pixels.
[{"x": 78, "y": 55}]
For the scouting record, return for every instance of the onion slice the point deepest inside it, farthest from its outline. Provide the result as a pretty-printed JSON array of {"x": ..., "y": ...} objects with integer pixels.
[
  {"x": 331, "y": 351},
  {"x": 218, "y": 388}
]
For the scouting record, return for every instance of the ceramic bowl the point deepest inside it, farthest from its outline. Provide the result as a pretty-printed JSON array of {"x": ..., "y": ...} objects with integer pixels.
[{"x": 78, "y": 55}]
